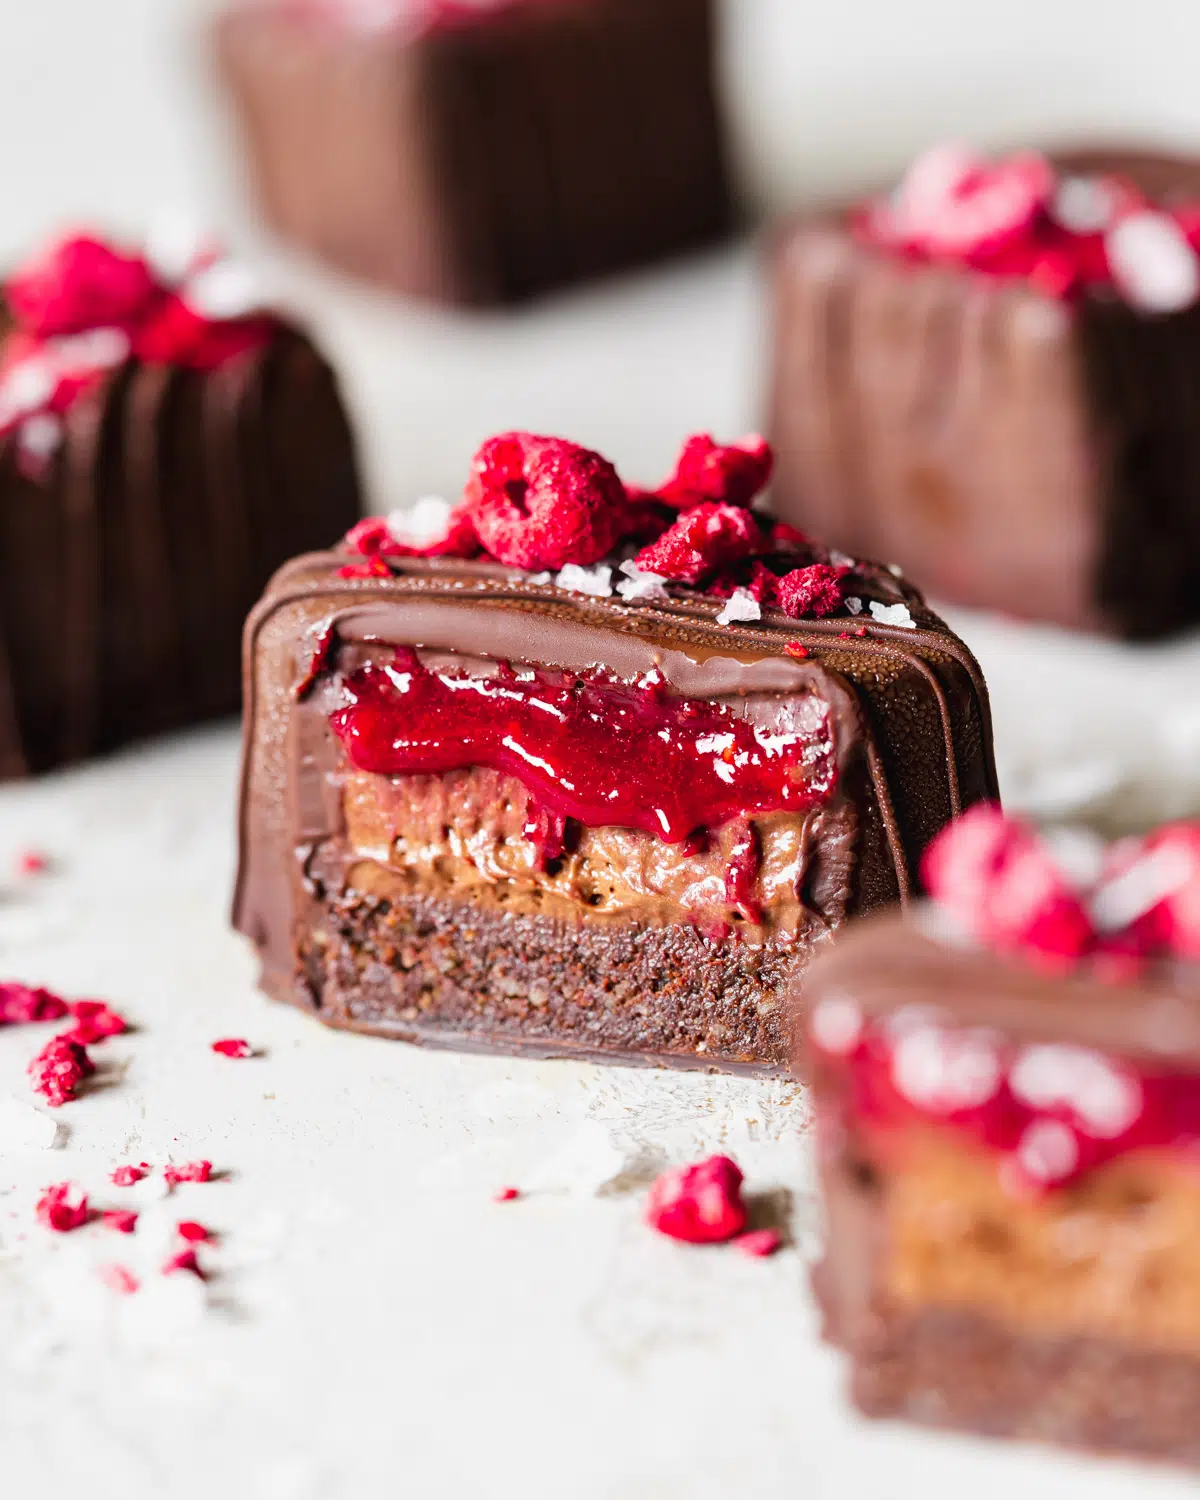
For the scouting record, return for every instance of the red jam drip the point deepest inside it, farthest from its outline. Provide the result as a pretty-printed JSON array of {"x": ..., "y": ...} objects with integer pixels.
[
  {"x": 601, "y": 752},
  {"x": 1051, "y": 1114}
]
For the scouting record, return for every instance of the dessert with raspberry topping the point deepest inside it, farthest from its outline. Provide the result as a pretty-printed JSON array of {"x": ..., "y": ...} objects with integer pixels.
[
  {"x": 481, "y": 152},
  {"x": 573, "y": 767},
  {"x": 987, "y": 378},
  {"x": 165, "y": 443},
  {"x": 1007, "y": 1084}
]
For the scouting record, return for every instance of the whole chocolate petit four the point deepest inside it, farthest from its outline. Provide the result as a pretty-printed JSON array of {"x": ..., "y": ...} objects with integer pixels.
[
  {"x": 164, "y": 444},
  {"x": 482, "y": 152},
  {"x": 1007, "y": 1087},
  {"x": 576, "y": 768},
  {"x": 989, "y": 378}
]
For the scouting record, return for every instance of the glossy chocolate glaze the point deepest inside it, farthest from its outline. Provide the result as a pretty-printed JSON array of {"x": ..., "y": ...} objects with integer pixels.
[
  {"x": 1016, "y": 453},
  {"x": 909, "y": 707},
  {"x": 127, "y": 571}
]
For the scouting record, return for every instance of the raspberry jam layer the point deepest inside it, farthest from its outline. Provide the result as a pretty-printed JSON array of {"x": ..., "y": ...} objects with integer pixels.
[
  {"x": 587, "y": 748},
  {"x": 1050, "y": 1112}
]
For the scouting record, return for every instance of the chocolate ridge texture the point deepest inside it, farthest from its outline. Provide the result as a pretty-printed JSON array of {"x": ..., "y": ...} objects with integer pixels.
[{"x": 913, "y": 733}]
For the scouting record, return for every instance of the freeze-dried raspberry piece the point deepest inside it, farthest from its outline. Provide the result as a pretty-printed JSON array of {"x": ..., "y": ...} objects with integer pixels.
[
  {"x": 1147, "y": 902},
  {"x": 21, "y": 1004},
  {"x": 374, "y": 537},
  {"x": 727, "y": 474},
  {"x": 758, "y": 581},
  {"x": 79, "y": 284},
  {"x": 176, "y": 334},
  {"x": 94, "y": 1021},
  {"x": 814, "y": 591},
  {"x": 233, "y": 1046},
  {"x": 541, "y": 502},
  {"x": 58, "y": 1070},
  {"x": 193, "y": 1233},
  {"x": 759, "y": 1243},
  {"x": 370, "y": 537},
  {"x": 703, "y": 540},
  {"x": 700, "y": 1204},
  {"x": 126, "y": 1176},
  {"x": 32, "y": 862},
  {"x": 506, "y": 1195},
  {"x": 374, "y": 567},
  {"x": 63, "y": 1207},
  {"x": 188, "y": 1171},
  {"x": 123, "y": 1220},
  {"x": 183, "y": 1260},
  {"x": 953, "y": 204},
  {"x": 999, "y": 879},
  {"x": 119, "y": 1279}
]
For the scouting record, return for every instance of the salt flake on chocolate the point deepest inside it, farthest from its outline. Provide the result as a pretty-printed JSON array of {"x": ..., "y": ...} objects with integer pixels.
[
  {"x": 854, "y": 605},
  {"x": 741, "y": 605},
  {"x": 1048, "y": 1151},
  {"x": 1084, "y": 205},
  {"x": 893, "y": 614},
  {"x": 944, "y": 1071},
  {"x": 637, "y": 584},
  {"x": 224, "y": 291},
  {"x": 1104, "y": 1100},
  {"x": 426, "y": 522},
  {"x": 596, "y": 581},
  {"x": 1152, "y": 263}
]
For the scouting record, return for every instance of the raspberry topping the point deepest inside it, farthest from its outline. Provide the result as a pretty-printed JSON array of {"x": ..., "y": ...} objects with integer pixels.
[
  {"x": 759, "y": 1243},
  {"x": 541, "y": 502},
  {"x": 94, "y": 1021},
  {"x": 20, "y": 1004},
  {"x": 506, "y": 1195},
  {"x": 63, "y": 1207},
  {"x": 814, "y": 591},
  {"x": 79, "y": 283},
  {"x": 726, "y": 474},
  {"x": 123, "y": 1220},
  {"x": 188, "y": 1171},
  {"x": 194, "y": 1233},
  {"x": 126, "y": 1176},
  {"x": 233, "y": 1046},
  {"x": 704, "y": 539},
  {"x": 32, "y": 862},
  {"x": 58, "y": 1070},
  {"x": 183, "y": 1260},
  {"x": 700, "y": 1204}
]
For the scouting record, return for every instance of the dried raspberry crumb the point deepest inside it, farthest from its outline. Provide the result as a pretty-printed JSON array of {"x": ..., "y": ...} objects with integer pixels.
[
  {"x": 729, "y": 474},
  {"x": 184, "y": 1260},
  {"x": 702, "y": 541},
  {"x": 119, "y": 1279},
  {"x": 542, "y": 502},
  {"x": 795, "y": 649},
  {"x": 63, "y": 1207},
  {"x": 126, "y": 1176},
  {"x": 759, "y": 1242},
  {"x": 506, "y": 1194},
  {"x": 815, "y": 590},
  {"x": 79, "y": 284},
  {"x": 94, "y": 1022},
  {"x": 194, "y": 1233},
  {"x": 32, "y": 862},
  {"x": 188, "y": 1171},
  {"x": 21, "y": 1004},
  {"x": 58, "y": 1070},
  {"x": 700, "y": 1204},
  {"x": 375, "y": 567},
  {"x": 233, "y": 1046},
  {"x": 123, "y": 1220}
]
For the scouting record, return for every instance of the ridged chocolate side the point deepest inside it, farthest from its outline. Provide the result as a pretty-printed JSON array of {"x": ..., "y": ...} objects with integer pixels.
[
  {"x": 920, "y": 734},
  {"x": 127, "y": 572},
  {"x": 1013, "y": 453}
]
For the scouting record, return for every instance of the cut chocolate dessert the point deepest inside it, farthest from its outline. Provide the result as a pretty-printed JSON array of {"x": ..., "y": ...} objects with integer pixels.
[
  {"x": 1007, "y": 1085},
  {"x": 164, "y": 446},
  {"x": 481, "y": 153},
  {"x": 593, "y": 809},
  {"x": 989, "y": 378}
]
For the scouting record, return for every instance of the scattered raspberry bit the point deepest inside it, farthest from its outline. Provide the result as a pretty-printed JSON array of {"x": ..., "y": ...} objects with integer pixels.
[
  {"x": 724, "y": 474},
  {"x": 126, "y": 1176},
  {"x": 32, "y": 862},
  {"x": 700, "y": 1204},
  {"x": 79, "y": 284},
  {"x": 815, "y": 590},
  {"x": 506, "y": 1195},
  {"x": 954, "y": 204},
  {"x": 542, "y": 502},
  {"x": 759, "y": 1243},
  {"x": 22, "y": 1005},
  {"x": 184, "y": 1260},
  {"x": 379, "y": 536},
  {"x": 704, "y": 539},
  {"x": 176, "y": 333},
  {"x": 94, "y": 1022},
  {"x": 375, "y": 567},
  {"x": 123, "y": 1220},
  {"x": 58, "y": 1070},
  {"x": 63, "y": 1207},
  {"x": 233, "y": 1046},
  {"x": 194, "y": 1233},
  {"x": 798, "y": 651},
  {"x": 119, "y": 1279},
  {"x": 188, "y": 1171}
]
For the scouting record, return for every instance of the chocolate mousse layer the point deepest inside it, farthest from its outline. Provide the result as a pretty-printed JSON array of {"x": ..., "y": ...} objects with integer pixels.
[{"x": 449, "y": 907}]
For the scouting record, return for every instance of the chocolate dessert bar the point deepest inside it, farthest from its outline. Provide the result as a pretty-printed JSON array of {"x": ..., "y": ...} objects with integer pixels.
[
  {"x": 591, "y": 770},
  {"x": 1007, "y": 1086},
  {"x": 481, "y": 153},
  {"x": 988, "y": 378},
  {"x": 164, "y": 446}
]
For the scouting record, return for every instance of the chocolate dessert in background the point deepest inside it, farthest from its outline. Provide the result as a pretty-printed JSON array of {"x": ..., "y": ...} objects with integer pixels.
[
  {"x": 581, "y": 769},
  {"x": 164, "y": 445},
  {"x": 990, "y": 378},
  {"x": 1007, "y": 1087},
  {"x": 481, "y": 153}
]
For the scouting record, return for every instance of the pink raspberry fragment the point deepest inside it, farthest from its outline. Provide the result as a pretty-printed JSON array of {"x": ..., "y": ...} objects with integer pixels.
[
  {"x": 759, "y": 1243},
  {"x": 703, "y": 540},
  {"x": 176, "y": 334},
  {"x": 123, "y": 1220},
  {"x": 542, "y": 502},
  {"x": 58, "y": 1070},
  {"x": 20, "y": 1004},
  {"x": 32, "y": 862},
  {"x": 700, "y": 1204},
  {"x": 372, "y": 538},
  {"x": 183, "y": 1260},
  {"x": 119, "y": 1279},
  {"x": 194, "y": 1233},
  {"x": 725, "y": 474},
  {"x": 952, "y": 203},
  {"x": 233, "y": 1046},
  {"x": 814, "y": 591},
  {"x": 126, "y": 1176},
  {"x": 94, "y": 1022},
  {"x": 188, "y": 1171},
  {"x": 506, "y": 1195},
  {"x": 63, "y": 1207},
  {"x": 79, "y": 284}
]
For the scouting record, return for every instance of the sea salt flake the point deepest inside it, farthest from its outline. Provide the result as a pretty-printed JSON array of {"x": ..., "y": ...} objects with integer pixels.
[
  {"x": 640, "y": 585},
  {"x": 854, "y": 605},
  {"x": 177, "y": 246},
  {"x": 1140, "y": 888},
  {"x": 741, "y": 605},
  {"x": 836, "y": 1025},
  {"x": 538, "y": 578},
  {"x": 1152, "y": 263},
  {"x": 944, "y": 1071},
  {"x": 225, "y": 290},
  {"x": 1103, "y": 1099},
  {"x": 1084, "y": 205},
  {"x": 24, "y": 1128},
  {"x": 596, "y": 581},
  {"x": 41, "y": 436},
  {"x": 425, "y": 522},
  {"x": 1048, "y": 1151},
  {"x": 590, "y": 1160},
  {"x": 893, "y": 614}
]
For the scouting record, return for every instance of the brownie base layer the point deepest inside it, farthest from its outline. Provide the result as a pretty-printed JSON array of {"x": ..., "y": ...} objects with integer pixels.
[
  {"x": 438, "y": 972},
  {"x": 948, "y": 1368}
]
